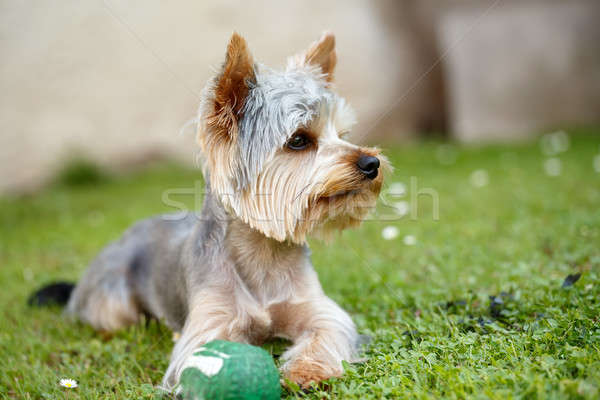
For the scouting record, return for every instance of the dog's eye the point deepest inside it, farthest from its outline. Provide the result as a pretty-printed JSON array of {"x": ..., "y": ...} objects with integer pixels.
[{"x": 298, "y": 142}]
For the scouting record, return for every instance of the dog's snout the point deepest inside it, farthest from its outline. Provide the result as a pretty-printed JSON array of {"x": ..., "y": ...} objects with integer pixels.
[{"x": 368, "y": 165}]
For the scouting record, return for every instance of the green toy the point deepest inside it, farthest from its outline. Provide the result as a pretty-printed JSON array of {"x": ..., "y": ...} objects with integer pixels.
[{"x": 222, "y": 370}]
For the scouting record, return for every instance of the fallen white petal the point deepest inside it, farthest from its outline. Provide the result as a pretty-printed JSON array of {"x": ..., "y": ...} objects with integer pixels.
[
  {"x": 479, "y": 178},
  {"x": 554, "y": 143},
  {"x": 553, "y": 166},
  {"x": 389, "y": 232},
  {"x": 401, "y": 207},
  {"x": 397, "y": 189}
]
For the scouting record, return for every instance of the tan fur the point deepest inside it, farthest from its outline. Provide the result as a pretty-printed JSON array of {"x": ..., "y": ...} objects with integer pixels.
[
  {"x": 108, "y": 313},
  {"x": 318, "y": 190},
  {"x": 270, "y": 290},
  {"x": 242, "y": 272},
  {"x": 295, "y": 304},
  {"x": 218, "y": 130},
  {"x": 307, "y": 371},
  {"x": 320, "y": 54},
  {"x": 231, "y": 89}
]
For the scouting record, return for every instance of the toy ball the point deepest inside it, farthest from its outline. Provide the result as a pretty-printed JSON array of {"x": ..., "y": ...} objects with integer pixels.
[{"x": 222, "y": 370}]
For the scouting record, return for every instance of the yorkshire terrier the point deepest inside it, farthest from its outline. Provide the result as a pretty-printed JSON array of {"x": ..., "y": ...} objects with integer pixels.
[{"x": 277, "y": 168}]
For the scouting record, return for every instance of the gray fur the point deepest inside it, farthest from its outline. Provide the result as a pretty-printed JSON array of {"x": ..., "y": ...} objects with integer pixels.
[
  {"x": 212, "y": 276},
  {"x": 157, "y": 261},
  {"x": 162, "y": 262},
  {"x": 278, "y": 103}
]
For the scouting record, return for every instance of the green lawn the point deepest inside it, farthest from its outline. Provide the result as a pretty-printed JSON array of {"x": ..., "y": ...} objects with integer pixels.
[{"x": 436, "y": 333}]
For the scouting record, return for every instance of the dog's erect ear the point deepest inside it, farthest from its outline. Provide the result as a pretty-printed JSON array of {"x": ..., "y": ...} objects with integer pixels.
[
  {"x": 220, "y": 112},
  {"x": 320, "y": 54},
  {"x": 231, "y": 87}
]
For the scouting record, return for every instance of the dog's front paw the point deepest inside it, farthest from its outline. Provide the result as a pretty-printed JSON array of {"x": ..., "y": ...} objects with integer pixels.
[{"x": 305, "y": 372}]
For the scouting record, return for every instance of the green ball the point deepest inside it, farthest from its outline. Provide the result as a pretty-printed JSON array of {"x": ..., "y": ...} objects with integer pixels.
[{"x": 222, "y": 370}]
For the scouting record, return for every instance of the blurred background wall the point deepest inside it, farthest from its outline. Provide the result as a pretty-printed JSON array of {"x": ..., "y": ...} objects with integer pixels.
[{"x": 117, "y": 81}]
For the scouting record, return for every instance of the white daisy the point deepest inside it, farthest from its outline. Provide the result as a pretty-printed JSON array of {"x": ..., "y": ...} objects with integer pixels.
[
  {"x": 410, "y": 240},
  {"x": 389, "y": 233},
  {"x": 68, "y": 383}
]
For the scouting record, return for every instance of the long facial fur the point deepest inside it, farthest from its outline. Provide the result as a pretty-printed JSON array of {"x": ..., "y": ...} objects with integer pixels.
[{"x": 286, "y": 194}]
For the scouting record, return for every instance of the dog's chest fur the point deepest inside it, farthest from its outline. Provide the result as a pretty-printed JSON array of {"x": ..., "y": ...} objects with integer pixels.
[
  {"x": 272, "y": 271},
  {"x": 276, "y": 278}
]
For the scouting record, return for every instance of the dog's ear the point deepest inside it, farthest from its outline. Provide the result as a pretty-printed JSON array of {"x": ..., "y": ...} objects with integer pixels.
[
  {"x": 231, "y": 87},
  {"x": 220, "y": 115},
  {"x": 320, "y": 54}
]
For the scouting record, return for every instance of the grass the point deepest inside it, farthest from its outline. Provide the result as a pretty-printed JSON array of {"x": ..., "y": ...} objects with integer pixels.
[{"x": 436, "y": 332}]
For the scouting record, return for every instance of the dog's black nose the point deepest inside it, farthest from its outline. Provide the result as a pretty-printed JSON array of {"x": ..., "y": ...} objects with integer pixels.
[{"x": 368, "y": 165}]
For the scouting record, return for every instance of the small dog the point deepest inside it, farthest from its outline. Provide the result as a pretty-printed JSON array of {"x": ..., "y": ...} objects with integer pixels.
[{"x": 277, "y": 169}]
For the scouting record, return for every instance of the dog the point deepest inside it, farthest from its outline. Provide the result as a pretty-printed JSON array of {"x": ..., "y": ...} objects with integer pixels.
[{"x": 277, "y": 168}]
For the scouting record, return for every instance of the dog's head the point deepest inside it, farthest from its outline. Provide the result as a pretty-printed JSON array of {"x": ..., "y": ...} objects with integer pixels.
[{"x": 274, "y": 150}]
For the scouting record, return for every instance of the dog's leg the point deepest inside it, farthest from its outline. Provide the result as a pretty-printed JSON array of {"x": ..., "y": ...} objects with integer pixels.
[
  {"x": 216, "y": 313},
  {"x": 323, "y": 336},
  {"x": 103, "y": 298},
  {"x": 107, "y": 308}
]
